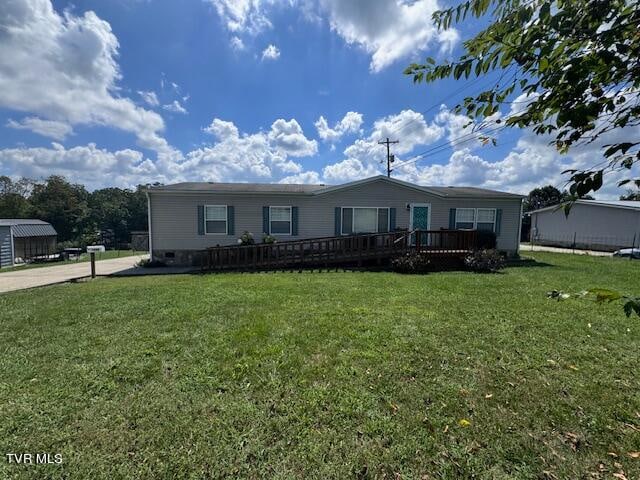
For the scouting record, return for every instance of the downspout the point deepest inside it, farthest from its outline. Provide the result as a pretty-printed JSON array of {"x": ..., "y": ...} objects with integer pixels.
[
  {"x": 13, "y": 247},
  {"x": 520, "y": 228},
  {"x": 149, "y": 225}
]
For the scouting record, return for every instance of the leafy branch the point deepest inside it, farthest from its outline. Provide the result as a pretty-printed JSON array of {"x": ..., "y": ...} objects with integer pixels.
[
  {"x": 601, "y": 295},
  {"x": 577, "y": 67}
]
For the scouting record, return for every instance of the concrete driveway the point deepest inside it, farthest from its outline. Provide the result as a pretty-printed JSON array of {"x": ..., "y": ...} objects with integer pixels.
[
  {"x": 527, "y": 247},
  {"x": 37, "y": 277}
]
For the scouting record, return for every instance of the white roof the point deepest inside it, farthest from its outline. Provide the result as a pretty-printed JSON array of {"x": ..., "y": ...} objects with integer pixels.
[{"x": 625, "y": 204}]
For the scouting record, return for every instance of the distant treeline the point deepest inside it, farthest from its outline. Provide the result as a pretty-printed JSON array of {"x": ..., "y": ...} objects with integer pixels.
[{"x": 76, "y": 214}]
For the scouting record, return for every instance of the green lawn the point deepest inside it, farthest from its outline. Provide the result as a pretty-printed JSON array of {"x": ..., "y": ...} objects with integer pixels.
[
  {"x": 85, "y": 257},
  {"x": 325, "y": 375}
]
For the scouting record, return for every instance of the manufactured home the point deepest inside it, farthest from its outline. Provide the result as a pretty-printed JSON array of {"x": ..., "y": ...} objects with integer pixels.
[{"x": 187, "y": 218}]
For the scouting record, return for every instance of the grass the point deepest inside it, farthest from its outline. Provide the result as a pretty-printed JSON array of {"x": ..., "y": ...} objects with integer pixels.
[
  {"x": 325, "y": 375},
  {"x": 85, "y": 257}
]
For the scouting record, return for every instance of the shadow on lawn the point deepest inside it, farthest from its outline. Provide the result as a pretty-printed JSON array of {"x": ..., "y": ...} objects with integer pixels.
[{"x": 527, "y": 263}]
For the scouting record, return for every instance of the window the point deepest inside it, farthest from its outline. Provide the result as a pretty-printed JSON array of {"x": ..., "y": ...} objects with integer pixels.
[
  {"x": 280, "y": 220},
  {"x": 364, "y": 220},
  {"x": 479, "y": 218},
  {"x": 215, "y": 219},
  {"x": 486, "y": 219},
  {"x": 465, "y": 218}
]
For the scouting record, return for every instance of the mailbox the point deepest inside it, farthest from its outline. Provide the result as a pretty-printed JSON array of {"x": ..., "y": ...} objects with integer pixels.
[{"x": 95, "y": 248}]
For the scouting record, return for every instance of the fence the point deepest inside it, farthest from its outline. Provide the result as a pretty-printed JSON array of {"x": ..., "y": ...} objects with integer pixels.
[
  {"x": 605, "y": 243},
  {"x": 339, "y": 250}
]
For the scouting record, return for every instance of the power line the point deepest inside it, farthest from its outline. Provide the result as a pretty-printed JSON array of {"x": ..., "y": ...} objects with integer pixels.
[
  {"x": 444, "y": 146},
  {"x": 452, "y": 94}
]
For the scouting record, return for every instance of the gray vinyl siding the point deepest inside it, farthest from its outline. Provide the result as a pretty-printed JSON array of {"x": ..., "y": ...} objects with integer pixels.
[
  {"x": 6, "y": 253},
  {"x": 174, "y": 216},
  {"x": 592, "y": 226}
]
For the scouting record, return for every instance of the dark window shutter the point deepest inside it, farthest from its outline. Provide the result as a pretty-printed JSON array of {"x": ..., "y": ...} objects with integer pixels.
[
  {"x": 392, "y": 219},
  {"x": 294, "y": 220},
  {"x": 231, "y": 228},
  {"x": 265, "y": 220},
  {"x": 338, "y": 221},
  {"x": 200, "y": 219},
  {"x": 498, "y": 220},
  {"x": 452, "y": 218}
]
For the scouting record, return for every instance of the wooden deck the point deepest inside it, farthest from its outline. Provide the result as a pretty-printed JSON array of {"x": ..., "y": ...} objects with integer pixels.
[{"x": 357, "y": 250}]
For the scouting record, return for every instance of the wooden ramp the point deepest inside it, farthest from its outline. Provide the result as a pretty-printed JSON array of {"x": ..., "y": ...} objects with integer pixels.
[{"x": 354, "y": 250}]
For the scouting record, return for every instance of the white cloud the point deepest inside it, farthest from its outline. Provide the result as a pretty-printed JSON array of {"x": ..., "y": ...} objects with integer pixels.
[
  {"x": 349, "y": 169},
  {"x": 149, "y": 97},
  {"x": 263, "y": 156},
  {"x": 63, "y": 68},
  {"x": 388, "y": 29},
  {"x": 47, "y": 128},
  {"x": 221, "y": 129},
  {"x": 243, "y": 16},
  {"x": 350, "y": 123},
  {"x": 289, "y": 138},
  {"x": 271, "y": 53},
  {"x": 302, "y": 177},
  {"x": 237, "y": 43},
  {"x": 86, "y": 164},
  {"x": 175, "y": 107},
  {"x": 365, "y": 156}
]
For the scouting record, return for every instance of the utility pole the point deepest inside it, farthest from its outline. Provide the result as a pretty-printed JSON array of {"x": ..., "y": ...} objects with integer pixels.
[{"x": 390, "y": 158}]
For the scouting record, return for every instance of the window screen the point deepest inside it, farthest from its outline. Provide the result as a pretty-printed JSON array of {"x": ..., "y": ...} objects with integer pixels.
[
  {"x": 281, "y": 220},
  {"x": 215, "y": 217},
  {"x": 365, "y": 220},
  {"x": 465, "y": 218},
  {"x": 486, "y": 219}
]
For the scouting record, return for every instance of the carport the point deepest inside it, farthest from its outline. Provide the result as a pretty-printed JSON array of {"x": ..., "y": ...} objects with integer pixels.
[{"x": 25, "y": 239}]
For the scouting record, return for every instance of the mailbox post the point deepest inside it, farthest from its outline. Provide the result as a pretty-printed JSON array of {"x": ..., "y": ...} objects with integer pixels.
[{"x": 92, "y": 249}]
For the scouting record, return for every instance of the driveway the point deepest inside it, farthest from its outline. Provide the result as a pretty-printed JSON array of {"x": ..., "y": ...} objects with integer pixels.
[
  {"x": 37, "y": 277},
  {"x": 527, "y": 247}
]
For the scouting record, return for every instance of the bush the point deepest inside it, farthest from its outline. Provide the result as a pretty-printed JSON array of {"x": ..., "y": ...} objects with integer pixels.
[
  {"x": 484, "y": 261},
  {"x": 485, "y": 240},
  {"x": 412, "y": 262},
  {"x": 148, "y": 263},
  {"x": 268, "y": 239},
  {"x": 246, "y": 238}
]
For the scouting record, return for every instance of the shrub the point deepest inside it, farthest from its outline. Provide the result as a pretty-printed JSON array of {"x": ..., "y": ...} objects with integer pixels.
[
  {"x": 485, "y": 240},
  {"x": 412, "y": 262},
  {"x": 484, "y": 261},
  {"x": 148, "y": 263},
  {"x": 269, "y": 239},
  {"x": 246, "y": 238}
]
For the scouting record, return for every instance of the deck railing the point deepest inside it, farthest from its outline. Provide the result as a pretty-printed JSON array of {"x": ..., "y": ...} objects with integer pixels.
[{"x": 313, "y": 252}]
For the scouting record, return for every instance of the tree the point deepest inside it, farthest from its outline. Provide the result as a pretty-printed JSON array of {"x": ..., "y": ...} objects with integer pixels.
[
  {"x": 120, "y": 210},
  {"x": 14, "y": 202},
  {"x": 631, "y": 195},
  {"x": 544, "y": 197},
  {"x": 62, "y": 204},
  {"x": 576, "y": 64}
]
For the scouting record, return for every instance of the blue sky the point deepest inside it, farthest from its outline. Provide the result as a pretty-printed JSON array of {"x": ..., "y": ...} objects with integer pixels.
[{"x": 131, "y": 91}]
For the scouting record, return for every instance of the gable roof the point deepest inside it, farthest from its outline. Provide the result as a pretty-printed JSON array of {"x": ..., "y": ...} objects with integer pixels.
[
  {"x": 214, "y": 187},
  {"x": 321, "y": 189},
  {"x": 623, "y": 204},
  {"x": 28, "y": 227}
]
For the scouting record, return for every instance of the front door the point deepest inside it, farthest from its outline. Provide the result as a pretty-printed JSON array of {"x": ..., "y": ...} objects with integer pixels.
[{"x": 419, "y": 220}]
